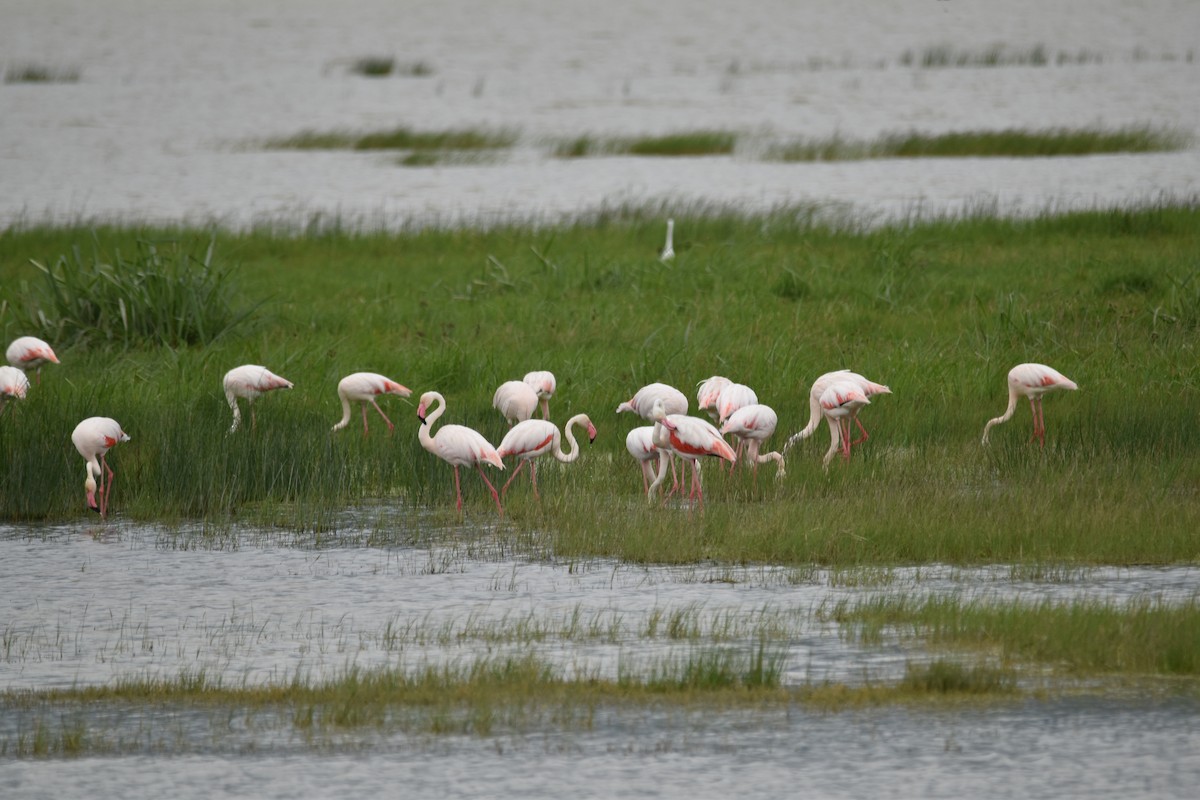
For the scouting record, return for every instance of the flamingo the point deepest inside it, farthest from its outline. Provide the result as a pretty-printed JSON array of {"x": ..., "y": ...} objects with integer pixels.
[
  {"x": 640, "y": 444},
  {"x": 754, "y": 424},
  {"x": 840, "y": 403},
  {"x": 13, "y": 385},
  {"x": 457, "y": 445},
  {"x": 535, "y": 437},
  {"x": 29, "y": 352},
  {"x": 691, "y": 438},
  {"x": 364, "y": 386},
  {"x": 249, "y": 381},
  {"x": 515, "y": 400},
  {"x": 93, "y": 438},
  {"x": 668, "y": 251},
  {"x": 708, "y": 392},
  {"x": 733, "y": 397},
  {"x": 544, "y": 384},
  {"x": 1032, "y": 381},
  {"x": 869, "y": 388},
  {"x": 642, "y": 401}
]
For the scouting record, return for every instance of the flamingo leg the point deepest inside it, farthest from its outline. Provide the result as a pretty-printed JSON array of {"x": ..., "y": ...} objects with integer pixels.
[
  {"x": 863, "y": 430},
  {"x": 533, "y": 477},
  {"x": 516, "y": 472},
  {"x": 698, "y": 487},
  {"x": 1041, "y": 423},
  {"x": 491, "y": 488},
  {"x": 457, "y": 488},
  {"x": 647, "y": 470},
  {"x": 844, "y": 426},
  {"x": 105, "y": 486},
  {"x": 391, "y": 427},
  {"x": 364, "y": 413}
]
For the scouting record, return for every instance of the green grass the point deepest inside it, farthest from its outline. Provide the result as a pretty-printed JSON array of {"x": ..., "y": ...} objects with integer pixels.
[
  {"x": 41, "y": 73},
  {"x": 396, "y": 139},
  {"x": 938, "y": 311},
  {"x": 681, "y": 144}
]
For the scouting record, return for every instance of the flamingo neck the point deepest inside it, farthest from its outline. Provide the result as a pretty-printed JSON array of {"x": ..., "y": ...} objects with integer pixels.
[
  {"x": 423, "y": 434},
  {"x": 1006, "y": 416},
  {"x": 345, "y": 413},
  {"x": 569, "y": 456}
]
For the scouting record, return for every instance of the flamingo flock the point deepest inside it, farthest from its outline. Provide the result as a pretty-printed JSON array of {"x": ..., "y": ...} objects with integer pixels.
[{"x": 671, "y": 435}]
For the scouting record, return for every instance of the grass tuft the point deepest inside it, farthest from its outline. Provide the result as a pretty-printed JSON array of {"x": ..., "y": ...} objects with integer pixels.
[
  {"x": 397, "y": 139},
  {"x": 41, "y": 73}
]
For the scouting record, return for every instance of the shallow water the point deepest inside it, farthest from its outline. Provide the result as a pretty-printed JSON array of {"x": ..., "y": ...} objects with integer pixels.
[{"x": 161, "y": 125}]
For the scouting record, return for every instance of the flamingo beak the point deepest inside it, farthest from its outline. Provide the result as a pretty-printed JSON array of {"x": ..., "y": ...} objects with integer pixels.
[
  {"x": 421, "y": 413},
  {"x": 91, "y": 502},
  {"x": 591, "y": 433}
]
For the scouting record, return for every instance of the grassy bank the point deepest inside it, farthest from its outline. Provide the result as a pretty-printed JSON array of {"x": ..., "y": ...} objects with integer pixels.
[{"x": 937, "y": 311}]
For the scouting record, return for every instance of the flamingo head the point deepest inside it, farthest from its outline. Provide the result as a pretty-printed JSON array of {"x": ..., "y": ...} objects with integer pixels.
[
  {"x": 591, "y": 430},
  {"x": 90, "y": 486}
]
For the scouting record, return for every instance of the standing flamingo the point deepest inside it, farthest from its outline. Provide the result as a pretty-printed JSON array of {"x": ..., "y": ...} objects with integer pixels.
[
  {"x": 544, "y": 384},
  {"x": 249, "y": 381},
  {"x": 13, "y": 385},
  {"x": 535, "y": 437},
  {"x": 515, "y": 400},
  {"x": 93, "y": 438},
  {"x": 690, "y": 438},
  {"x": 840, "y": 403},
  {"x": 816, "y": 413},
  {"x": 640, "y": 444},
  {"x": 1032, "y": 381},
  {"x": 707, "y": 394},
  {"x": 674, "y": 402},
  {"x": 29, "y": 352},
  {"x": 457, "y": 445},
  {"x": 753, "y": 425},
  {"x": 364, "y": 386},
  {"x": 668, "y": 251}
]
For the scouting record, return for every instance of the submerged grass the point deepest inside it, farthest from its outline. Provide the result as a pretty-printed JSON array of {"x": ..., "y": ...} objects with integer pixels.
[
  {"x": 41, "y": 73},
  {"x": 680, "y": 144}
]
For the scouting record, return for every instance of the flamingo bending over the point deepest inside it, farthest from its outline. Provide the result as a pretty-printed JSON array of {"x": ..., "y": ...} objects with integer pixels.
[
  {"x": 816, "y": 413},
  {"x": 640, "y": 444},
  {"x": 515, "y": 400},
  {"x": 707, "y": 394},
  {"x": 753, "y": 425},
  {"x": 535, "y": 437},
  {"x": 93, "y": 438},
  {"x": 674, "y": 402},
  {"x": 1032, "y": 381},
  {"x": 29, "y": 352},
  {"x": 249, "y": 381},
  {"x": 13, "y": 385},
  {"x": 668, "y": 251},
  {"x": 840, "y": 403},
  {"x": 457, "y": 445},
  {"x": 544, "y": 384},
  {"x": 690, "y": 438},
  {"x": 364, "y": 386}
]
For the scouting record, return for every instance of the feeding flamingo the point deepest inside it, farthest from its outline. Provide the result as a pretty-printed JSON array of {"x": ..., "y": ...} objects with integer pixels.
[
  {"x": 457, "y": 445},
  {"x": 93, "y": 438},
  {"x": 544, "y": 384},
  {"x": 753, "y": 425},
  {"x": 29, "y": 352},
  {"x": 707, "y": 394},
  {"x": 690, "y": 438},
  {"x": 674, "y": 402},
  {"x": 640, "y": 444},
  {"x": 1032, "y": 381},
  {"x": 816, "y": 413},
  {"x": 249, "y": 381},
  {"x": 535, "y": 437},
  {"x": 840, "y": 403},
  {"x": 13, "y": 385},
  {"x": 515, "y": 400},
  {"x": 668, "y": 251},
  {"x": 364, "y": 386}
]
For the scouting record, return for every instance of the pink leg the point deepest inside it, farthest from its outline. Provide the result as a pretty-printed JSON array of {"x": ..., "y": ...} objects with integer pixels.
[
  {"x": 457, "y": 488},
  {"x": 1041, "y": 421},
  {"x": 863, "y": 430},
  {"x": 844, "y": 427},
  {"x": 1033, "y": 411},
  {"x": 533, "y": 477},
  {"x": 513, "y": 477},
  {"x": 364, "y": 410},
  {"x": 391, "y": 427},
  {"x": 645, "y": 477},
  {"x": 495, "y": 496},
  {"x": 106, "y": 487}
]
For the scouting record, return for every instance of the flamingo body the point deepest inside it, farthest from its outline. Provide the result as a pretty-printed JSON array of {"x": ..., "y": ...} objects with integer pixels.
[
  {"x": 640, "y": 444},
  {"x": 363, "y": 387},
  {"x": 515, "y": 400},
  {"x": 535, "y": 437},
  {"x": 840, "y": 402},
  {"x": 544, "y": 384},
  {"x": 673, "y": 400},
  {"x": 457, "y": 445},
  {"x": 1032, "y": 381},
  {"x": 816, "y": 413},
  {"x": 754, "y": 424},
  {"x": 690, "y": 438},
  {"x": 13, "y": 385},
  {"x": 709, "y": 392},
  {"x": 29, "y": 352},
  {"x": 93, "y": 438},
  {"x": 249, "y": 381},
  {"x": 733, "y": 397}
]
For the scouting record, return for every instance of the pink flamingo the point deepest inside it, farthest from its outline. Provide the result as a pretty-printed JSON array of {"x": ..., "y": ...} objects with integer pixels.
[
  {"x": 840, "y": 403},
  {"x": 535, "y": 437},
  {"x": 29, "y": 352},
  {"x": 690, "y": 438},
  {"x": 515, "y": 400},
  {"x": 642, "y": 402},
  {"x": 707, "y": 394},
  {"x": 457, "y": 445},
  {"x": 544, "y": 384},
  {"x": 364, "y": 386},
  {"x": 640, "y": 444},
  {"x": 13, "y": 385},
  {"x": 249, "y": 381},
  {"x": 816, "y": 413},
  {"x": 753, "y": 425},
  {"x": 93, "y": 438},
  {"x": 1032, "y": 381}
]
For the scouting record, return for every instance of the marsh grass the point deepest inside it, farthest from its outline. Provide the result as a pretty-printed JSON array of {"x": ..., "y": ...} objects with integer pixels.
[
  {"x": 397, "y": 139},
  {"x": 681, "y": 144},
  {"x": 41, "y": 73}
]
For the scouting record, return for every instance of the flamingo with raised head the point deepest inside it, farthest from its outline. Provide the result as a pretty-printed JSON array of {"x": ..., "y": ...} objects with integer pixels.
[
  {"x": 708, "y": 392},
  {"x": 457, "y": 445},
  {"x": 13, "y": 385},
  {"x": 1032, "y": 381},
  {"x": 817, "y": 413},
  {"x": 364, "y": 386},
  {"x": 516, "y": 401},
  {"x": 249, "y": 381},
  {"x": 535, "y": 437},
  {"x": 93, "y": 438},
  {"x": 640, "y": 444},
  {"x": 29, "y": 352},
  {"x": 544, "y": 384},
  {"x": 690, "y": 438},
  {"x": 668, "y": 251},
  {"x": 753, "y": 425},
  {"x": 840, "y": 403}
]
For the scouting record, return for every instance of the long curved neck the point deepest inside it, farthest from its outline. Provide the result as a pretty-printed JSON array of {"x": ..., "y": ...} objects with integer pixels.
[
  {"x": 1008, "y": 412},
  {"x": 569, "y": 456},
  {"x": 237, "y": 412},
  {"x": 423, "y": 434},
  {"x": 345, "y": 420}
]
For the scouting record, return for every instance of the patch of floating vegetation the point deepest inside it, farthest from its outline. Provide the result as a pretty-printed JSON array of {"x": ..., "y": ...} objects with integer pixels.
[
  {"x": 385, "y": 66},
  {"x": 687, "y": 143},
  {"x": 401, "y": 138},
  {"x": 41, "y": 73}
]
